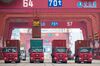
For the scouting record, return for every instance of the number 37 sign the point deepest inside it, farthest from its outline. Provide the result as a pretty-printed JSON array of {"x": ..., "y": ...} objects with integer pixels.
[{"x": 54, "y": 3}]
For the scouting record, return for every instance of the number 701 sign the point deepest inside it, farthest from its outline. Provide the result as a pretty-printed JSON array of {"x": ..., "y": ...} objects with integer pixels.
[
  {"x": 27, "y": 3},
  {"x": 55, "y": 3}
]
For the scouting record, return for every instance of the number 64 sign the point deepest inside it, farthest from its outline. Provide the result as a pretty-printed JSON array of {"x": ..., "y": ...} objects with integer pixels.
[{"x": 27, "y": 3}]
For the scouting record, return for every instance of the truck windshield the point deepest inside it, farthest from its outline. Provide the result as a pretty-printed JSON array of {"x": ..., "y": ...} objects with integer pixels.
[
  {"x": 10, "y": 50},
  {"x": 60, "y": 50},
  {"x": 85, "y": 50},
  {"x": 36, "y": 50}
]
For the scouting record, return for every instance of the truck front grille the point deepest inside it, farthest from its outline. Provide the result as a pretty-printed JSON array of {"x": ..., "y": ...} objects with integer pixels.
[
  {"x": 37, "y": 55},
  {"x": 85, "y": 57}
]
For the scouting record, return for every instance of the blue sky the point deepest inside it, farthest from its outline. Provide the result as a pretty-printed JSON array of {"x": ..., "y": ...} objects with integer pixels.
[{"x": 76, "y": 34}]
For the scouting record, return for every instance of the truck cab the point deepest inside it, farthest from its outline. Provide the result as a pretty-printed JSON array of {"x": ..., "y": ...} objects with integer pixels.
[
  {"x": 11, "y": 54},
  {"x": 84, "y": 55},
  {"x": 59, "y": 54},
  {"x": 36, "y": 55}
]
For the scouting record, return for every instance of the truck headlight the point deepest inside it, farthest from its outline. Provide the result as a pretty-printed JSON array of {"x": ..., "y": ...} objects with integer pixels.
[
  {"x": 91, "y": 58},
  {"x": 31, "y": 57},
  {"x": 80, "y": 58},
  {"x": 65, "y": 58},
  {"x": 15, "y": 58},
  {"x": 55, "y": 58},
  {"x": 5, "y": 58},
  {"x": 42, "y": 58}
]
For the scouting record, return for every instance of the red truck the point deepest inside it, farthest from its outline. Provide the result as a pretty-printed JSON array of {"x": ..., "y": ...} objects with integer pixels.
[
  {"x": 59, "y": 51},
  {"x": 12, "y": 51},
  {"x": 83, "y": 52},
  {"x": 36, "y": 51}
]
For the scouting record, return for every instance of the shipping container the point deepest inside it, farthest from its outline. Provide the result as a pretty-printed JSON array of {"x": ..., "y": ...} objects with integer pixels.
[
  {"x": 36, "y": 32},
  {"x": 59, "y": 51},
  {"x": 58, "y": 43},
  {"x": 36, "y": 51},
  {"x": 36, "y": 43},
  {"x": 83, "y": 51},
  {"x": 13, "y": 43},
  {"x": 12, "y": 51},
  {"x": 81, "y": 43}
]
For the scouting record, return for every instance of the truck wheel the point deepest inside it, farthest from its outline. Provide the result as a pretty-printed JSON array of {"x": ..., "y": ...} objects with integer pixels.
[
  {"x": 79, "y": 61},
  {"x": 75, "y": 61},
  {"x": 65, "y": 62},
  {"x": 76, "y": 58},
  {"x": 6, "y": 62},
  {"x": 31, "y": 61},
  {"x": 41, "y": 61},
  {"x": 89, "y": 62},
  {"x": 53, "y": 61},
  {"x": 18, "y": 61}
]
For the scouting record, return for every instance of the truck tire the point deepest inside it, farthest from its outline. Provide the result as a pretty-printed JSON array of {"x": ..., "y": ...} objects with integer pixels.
[
  {"x": 17, "y": 61},
  {"x": 75, "y": 59},
  {"x": 6, "y": 62},
  {"x": 31, "y": 61},
  {"x": 41, "y": 61},
  {"x": 79, "y": 61},
  {"x": 65, "y": 62},
  {"x": 89, "y": 62},
  {"x": 53, "y": 61}
]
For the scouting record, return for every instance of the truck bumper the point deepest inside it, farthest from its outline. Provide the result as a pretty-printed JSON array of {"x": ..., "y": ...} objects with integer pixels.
[
  {"x": 60, "y": 60},
  {"x": 11, "y": 60},
  {"x": 36, "y": 60},
  {"x": 85, "y": 60}
]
